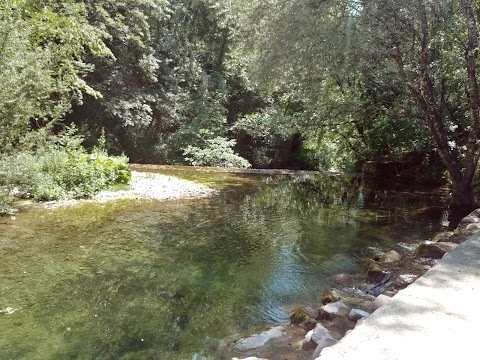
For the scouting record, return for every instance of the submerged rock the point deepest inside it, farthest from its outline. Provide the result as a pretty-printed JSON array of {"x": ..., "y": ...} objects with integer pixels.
[
  {"x": 258, "y": 340},
  {"x": 7, "y": 311},
  {"x": 390, "y": 257},
  {"x": 375, "y": 273},
  {"x": 434, "y": 250},
  {"x": 345, "y": 280}
]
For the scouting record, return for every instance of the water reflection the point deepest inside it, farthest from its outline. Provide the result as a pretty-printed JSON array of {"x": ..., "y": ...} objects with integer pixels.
[{"x": 163, "y": 280}]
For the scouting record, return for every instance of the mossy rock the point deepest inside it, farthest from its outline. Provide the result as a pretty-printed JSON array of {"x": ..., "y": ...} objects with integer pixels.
[{"x": 299, "y": 315}]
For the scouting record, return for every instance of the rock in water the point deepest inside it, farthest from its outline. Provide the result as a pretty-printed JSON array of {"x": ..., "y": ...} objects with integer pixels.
[
  {"x": 434, "y": 250},
  {"x": 315, "y": 337},
  {"x": 375, "y": 273},
  {"x": 299, "y": 315},
  {"x": 331, "y": 296},
  {"x": 258, "y": 340},
  {"x": 390, "y": 257},
  {"x": 333, "y": 310}
]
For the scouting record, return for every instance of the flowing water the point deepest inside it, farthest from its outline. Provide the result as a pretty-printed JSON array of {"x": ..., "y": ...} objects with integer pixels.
[{"x": 168, "y": 279}]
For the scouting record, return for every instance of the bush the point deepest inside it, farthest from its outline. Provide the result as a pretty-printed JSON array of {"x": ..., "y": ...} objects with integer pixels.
[
  {"x": 216, "y": 152},
  {"x": 62, "y": 170}
]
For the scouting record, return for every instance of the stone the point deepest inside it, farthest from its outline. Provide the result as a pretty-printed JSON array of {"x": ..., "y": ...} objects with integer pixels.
[
  {"x": 379, "y": 301},
  {"x": 357, "y": 314},
  {"x": 322, "y": 345},
  {"x": 469, "y": 219},
  {"x": 434, "y": 250},
  {"x": 442, "y": 236},
  {"x": 299, "y": 315},
  {"x": 249, "y": 358},
  {"x": 375, "y": 273},
  {"x": 258, "y": 340},
  {"x": 390, "y": 257},
  {"x": 333, "y": 310},
  {"x": 7, "y": 311},
  {"x": 309, "y": 324},
  {"x": 472, "y": 228},
  {"x": 315, "y": 337},
  {"x": 458, "y": 237},
  {"x": 403, "y": 280},
  {"x": 331, "y": 296}
]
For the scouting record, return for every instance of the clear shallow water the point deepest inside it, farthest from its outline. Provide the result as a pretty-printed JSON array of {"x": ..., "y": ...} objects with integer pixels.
[{"x": 165, "y": 280}]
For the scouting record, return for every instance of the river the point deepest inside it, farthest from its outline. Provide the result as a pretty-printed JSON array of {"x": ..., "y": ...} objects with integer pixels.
[{"x": 170, "y": 279}]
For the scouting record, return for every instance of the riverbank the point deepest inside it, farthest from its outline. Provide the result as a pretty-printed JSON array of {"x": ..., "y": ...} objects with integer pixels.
[
  {"x": 354, "y": 298},
  {"x": 435, "y": 318}
]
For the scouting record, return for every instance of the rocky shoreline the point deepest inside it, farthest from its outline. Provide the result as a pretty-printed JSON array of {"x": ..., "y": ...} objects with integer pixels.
[{"x": 350, "y": 299}]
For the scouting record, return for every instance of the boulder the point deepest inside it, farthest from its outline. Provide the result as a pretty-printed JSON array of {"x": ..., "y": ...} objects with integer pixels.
[
  {"x": 389, "y": 257},
  {"x": 299, "y": 315},
  {"x": 315, "y": 337},
  {"x": 333, "y": 310},
  {"x": 258, "y": 340},
  {"x": 379, "y": 301},
  {"x": 357, "y": 314},
  {"x": 434, "y": 250}
]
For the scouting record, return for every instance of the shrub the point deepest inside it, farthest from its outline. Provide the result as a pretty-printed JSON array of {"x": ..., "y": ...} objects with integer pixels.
[
  {"x": 216, "y": 152},
  {"x": 63, "y": 169}
]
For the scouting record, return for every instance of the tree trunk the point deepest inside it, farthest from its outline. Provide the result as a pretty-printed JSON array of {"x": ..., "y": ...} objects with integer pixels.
[{"x": 462, "y": 202}]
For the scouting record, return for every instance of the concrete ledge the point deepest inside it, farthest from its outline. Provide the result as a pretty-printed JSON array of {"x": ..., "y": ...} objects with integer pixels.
[{"x": 436, "y": 317}]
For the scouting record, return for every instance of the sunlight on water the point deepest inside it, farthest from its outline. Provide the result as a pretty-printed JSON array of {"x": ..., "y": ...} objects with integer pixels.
[{"x": 168, "y": 280}]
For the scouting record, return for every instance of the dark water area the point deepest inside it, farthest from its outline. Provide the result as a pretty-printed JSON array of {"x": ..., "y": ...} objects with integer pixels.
[{"x": 171, "y": 279}]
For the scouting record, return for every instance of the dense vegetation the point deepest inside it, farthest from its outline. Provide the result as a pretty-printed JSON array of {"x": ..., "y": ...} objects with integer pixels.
[{"x": 300, "y": 84}]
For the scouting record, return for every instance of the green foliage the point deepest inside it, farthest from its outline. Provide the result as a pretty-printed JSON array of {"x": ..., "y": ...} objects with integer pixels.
[
  {"x": 42, "y": 50},
  {"x": 6, "y": 202},
  {"x": 273, "y": 137},
  {"x": 62, "y": 170},
  {"x": 215, "y": 152}
]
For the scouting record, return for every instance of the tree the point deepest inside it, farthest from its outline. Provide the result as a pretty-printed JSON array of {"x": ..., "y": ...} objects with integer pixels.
[
  {"x": 433, "y": 48},
  {"x": 43, "y": 45},
  {"x": 168, "y": 81}
]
